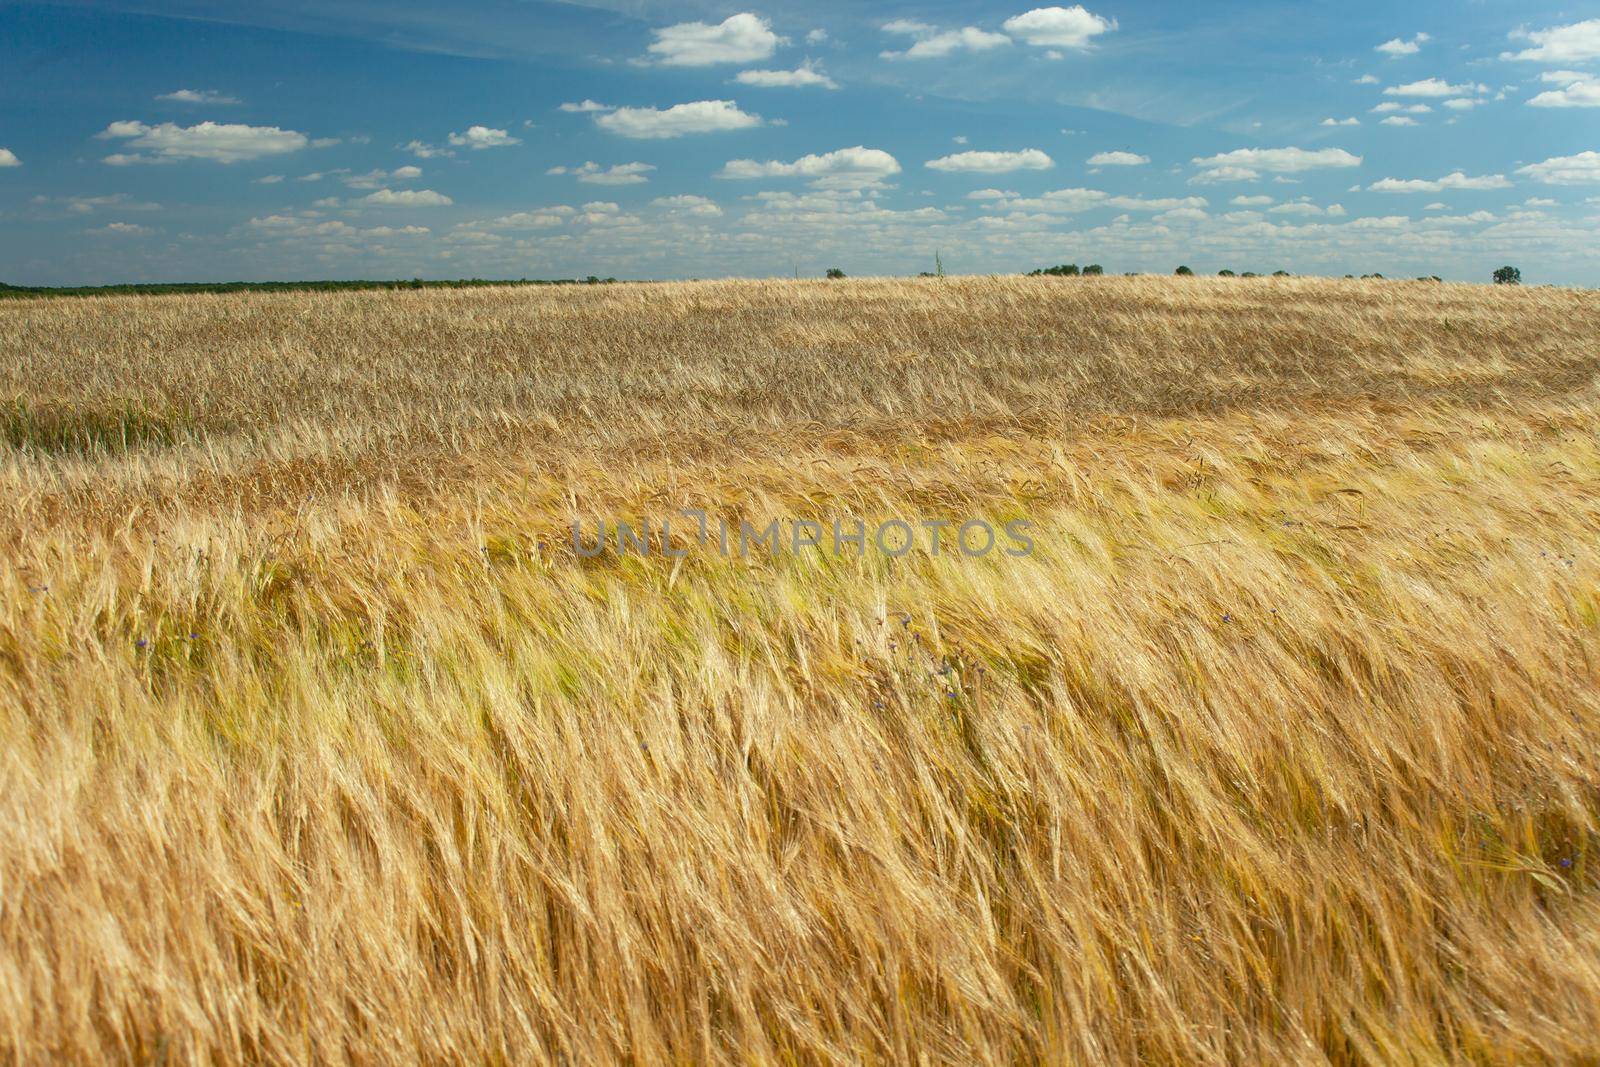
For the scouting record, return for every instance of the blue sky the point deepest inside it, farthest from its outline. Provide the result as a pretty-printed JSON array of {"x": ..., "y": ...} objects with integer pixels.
[{"x": 287, "y": 139}]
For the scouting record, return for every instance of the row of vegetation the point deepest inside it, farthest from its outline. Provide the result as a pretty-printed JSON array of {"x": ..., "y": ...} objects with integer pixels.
[
  {"x": 1503, "y": 276},
  {"x": 159, "y": 288}
]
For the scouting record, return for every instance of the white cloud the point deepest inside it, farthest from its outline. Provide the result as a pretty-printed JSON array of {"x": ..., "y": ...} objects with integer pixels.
[
  {"x": 741, "y": 38},
  {"x": 1397, "y": 47},
  {"x": 1398, "y": 120},
  {"x": 407, "y": 198},
  {"x": 844, "y": 168},
  {"x": 1330, "y": 121},
  {"x": 1117, "y": 159},
  {"x": 1071, "y": 201},
  {"x": 593, "y": 173},
  {"x": 199, "y": 96},
  {"x": 8, "y": 158},
  {"x": 1576, "y": 43},
  {"x": 1225, "y": 174},
  {"x": 1433, "y": 87},
  {"x": 1058, "y": 27},
  {"x": 1251, "y": 201},
  {"x": 701, "y": 116},
  {"x": 802, "y": 77},
  {"x": 219, "y": 142},
  {"x": 992, "y": 162},
  {"x": 688, "y": 204},
  {"x": 1245, "y": 164},
  {"x": 88, "y": 205},
  {"x": 932, "y": 44},
  {"x": 480, "y": 137},
  {"x": 1579, "y": 90},
  {"x": 1581, "y": 169},
  {"x": 535, "y": 219},
  {"x": 816, "y": 36},
  {"x": 991, "y": 194},
  {"x": 1461, "y": 103},
  {"x": 1390, "y": 107},
  {"x": 427, "y": 151},
  {"x": 288, "y": 228},
  {"x": 1366, "y": 79},
  {"x": 586, "y": 105},
  {"x": 372, "y": 179},
  {"x": 1453, "y": 180},
  {"x": 121, "y": 229}
]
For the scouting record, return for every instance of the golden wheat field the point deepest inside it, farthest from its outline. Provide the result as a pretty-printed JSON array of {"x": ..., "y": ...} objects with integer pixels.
[{"x": 321, "y": 741}]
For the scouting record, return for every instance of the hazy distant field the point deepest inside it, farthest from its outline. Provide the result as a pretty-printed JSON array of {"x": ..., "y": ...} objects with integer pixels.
[{"x": 319, "y": 742}]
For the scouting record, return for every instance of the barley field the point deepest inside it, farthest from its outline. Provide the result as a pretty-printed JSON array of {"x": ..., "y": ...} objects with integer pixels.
[{"x": 321, "y": 741}]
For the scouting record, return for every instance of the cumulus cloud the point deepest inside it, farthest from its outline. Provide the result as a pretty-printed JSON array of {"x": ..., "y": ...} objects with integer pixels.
[
  {"x": 1072, "y": 201},
  {"x": 1397, "y": 47},
  {"x": 372, "y": 179},
  {"x": 218, "y": 142},
  {"x": 407, "y": 198},
  {"x": 1581, "y": 169},
  {"x": 199, "y": 96},
  {"x": 1453, "y": 180},
  {"x": 1250, "y": 201},
  {"x": 1366, "y": 79},
  {"x": 992, "y": 162},
  {"x": 593, "y": 173},
  {"x": 480, "y": 137},
  {"x": 932, "y": 43},
  {"x": 121, "y": 229},
  {"x": 1578, "y": 90},
  {"x": 427, "y": 151},
  {"x": 845, "y": 168},
  {"x": 1577, "y": 43},
  {"x": 1433, "y": 87},
  {"x": 1330, "y": 121},
  {"x": 1213, "y": 175},
  {"x": 290, "y": 228},
  {"x": 1117, "y": 159},
  {"x": 701, "y": 116},
  {"x": 741, "y": 38},
  {"x": 1398, "y": 120},
  {"x": 805, "y": 76},
  {"x": 687, "y": 204},
  {"x": 1058, "y": 27},
  {"x": 88, "y": 205},
  {"x": 535, "y": 218},
  {"x": 1246, "y": 164},
  {"x": 9, "y": 158},
  {"x": 586, "y": 105},
  {"x": 1390, "y": 107}
]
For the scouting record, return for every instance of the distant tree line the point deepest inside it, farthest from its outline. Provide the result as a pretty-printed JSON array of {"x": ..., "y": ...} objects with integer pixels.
[
  {"x": 160, "y": 288},
  {"x": 1504, "y": 276},
  {"x": 1067, "y": 270}
]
